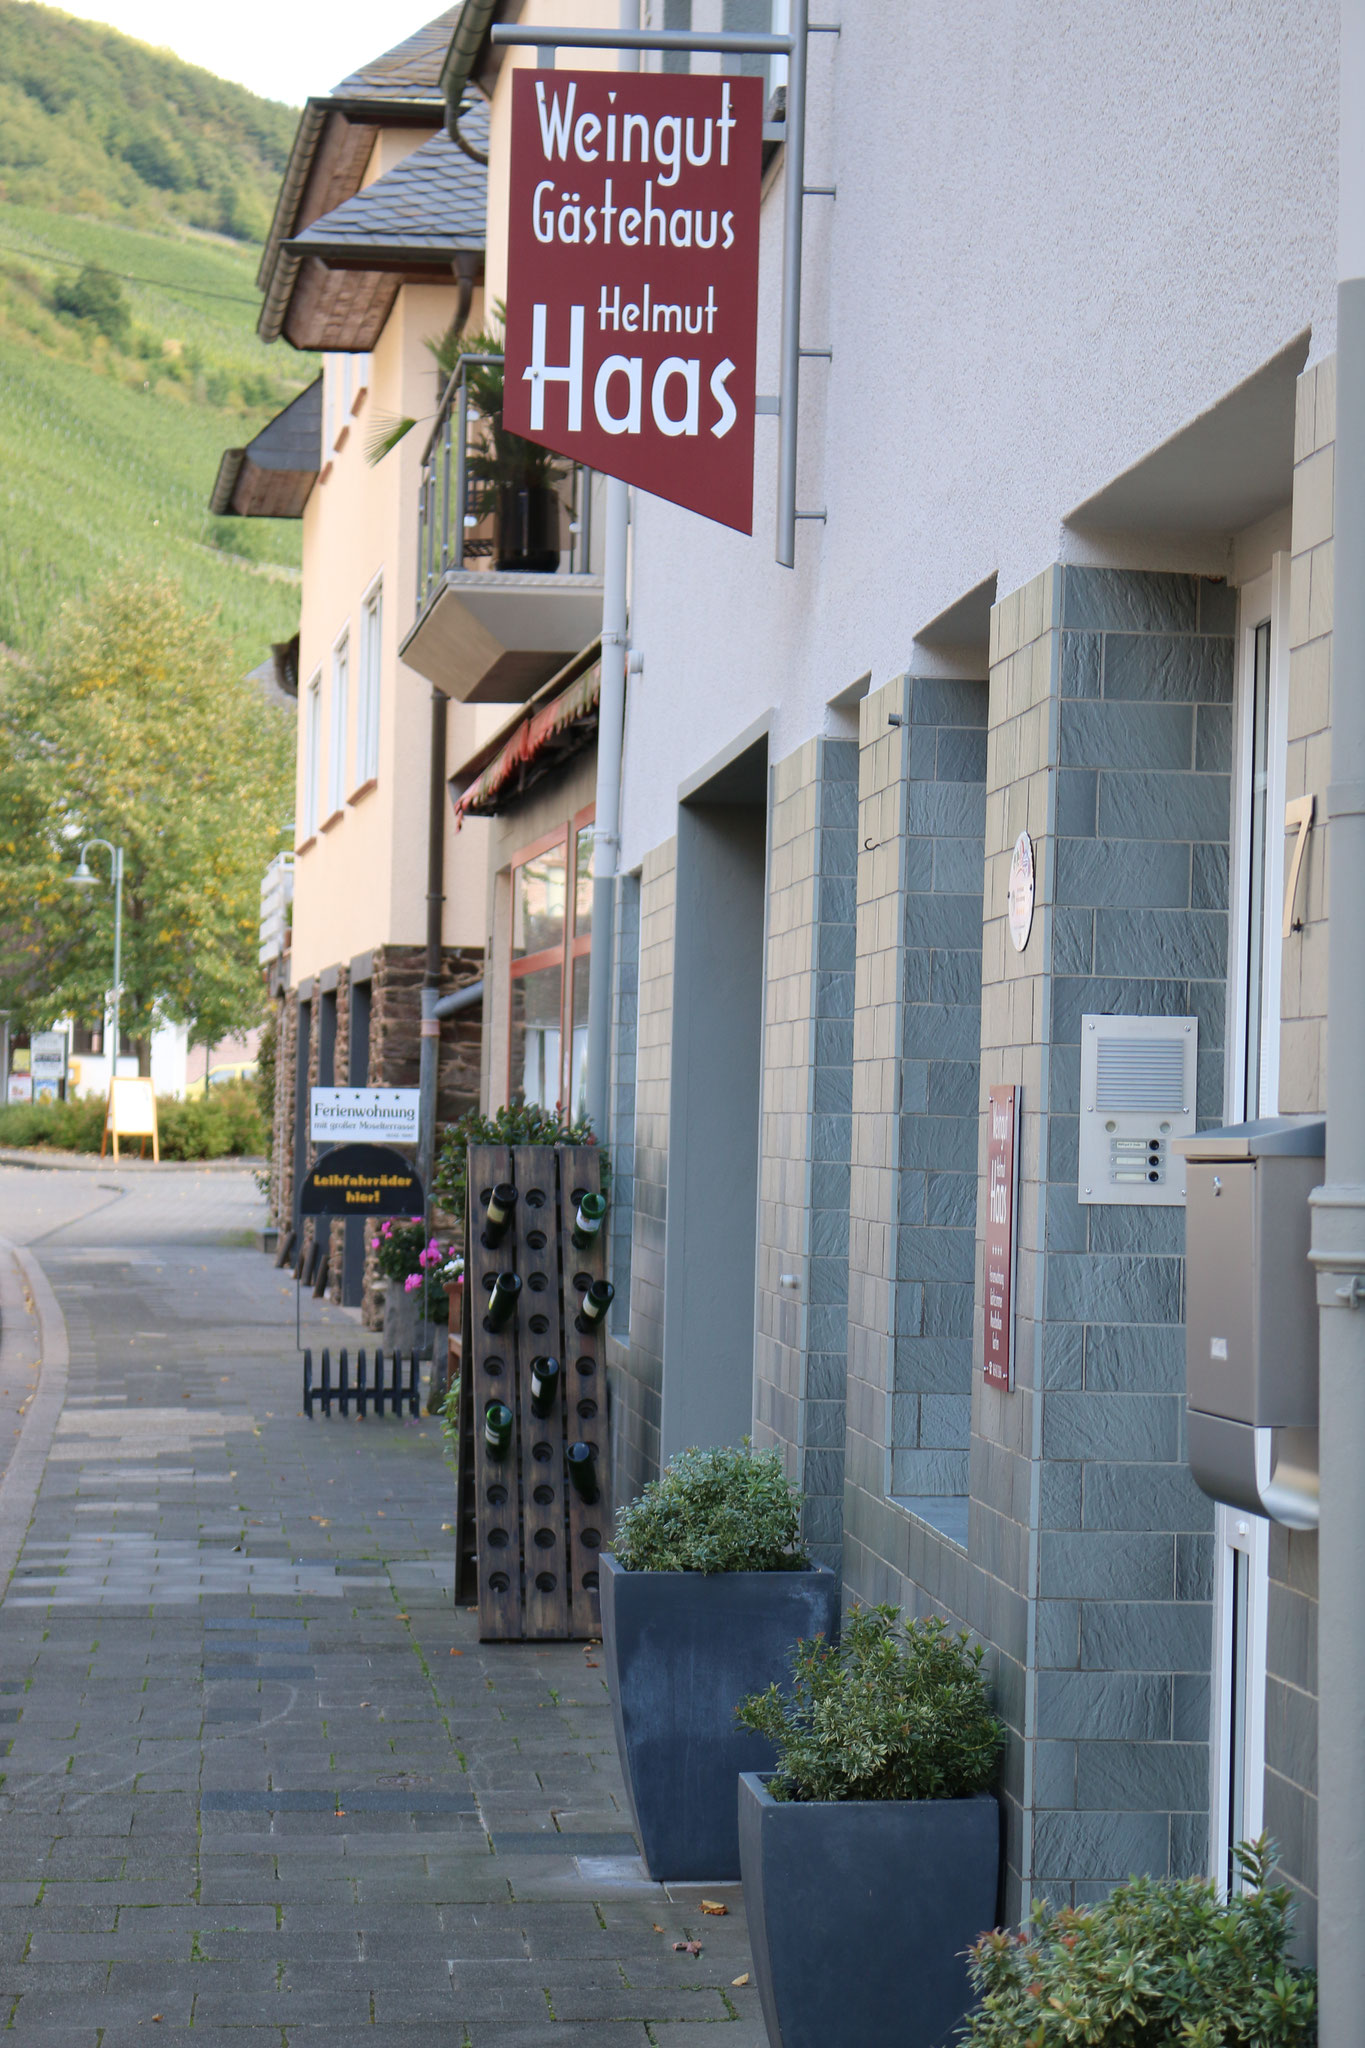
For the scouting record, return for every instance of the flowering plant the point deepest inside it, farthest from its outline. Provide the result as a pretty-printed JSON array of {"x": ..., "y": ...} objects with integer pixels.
[{"x": 425, "y": 1267}]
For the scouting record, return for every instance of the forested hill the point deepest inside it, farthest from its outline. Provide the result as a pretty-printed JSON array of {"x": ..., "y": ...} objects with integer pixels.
[
  {"x": 95, "y": 123},
  {"x": 134, "y": 191}
]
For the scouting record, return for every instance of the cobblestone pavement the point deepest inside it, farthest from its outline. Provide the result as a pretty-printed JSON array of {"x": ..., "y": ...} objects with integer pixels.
[{"x": 262, "y": 1783}]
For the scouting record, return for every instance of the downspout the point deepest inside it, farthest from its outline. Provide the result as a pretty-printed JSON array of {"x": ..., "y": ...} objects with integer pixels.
[
  {"x": 611, "y": 726},
  {"x": 1338, "y": 1252},
  {"x": 429, "y": 1061}
]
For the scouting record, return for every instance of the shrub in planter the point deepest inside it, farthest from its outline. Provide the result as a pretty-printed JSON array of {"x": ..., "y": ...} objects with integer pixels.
[
  {"x": 727, "y": 1510},
  {"x": 871, "y": 1855},
  {"x": 1161, "y": 1961},
  {"x": 704, "y": 1592}
]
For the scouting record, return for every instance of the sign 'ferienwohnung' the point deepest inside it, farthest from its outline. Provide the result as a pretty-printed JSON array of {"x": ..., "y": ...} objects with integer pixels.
[{"x": 632, "y": 282}]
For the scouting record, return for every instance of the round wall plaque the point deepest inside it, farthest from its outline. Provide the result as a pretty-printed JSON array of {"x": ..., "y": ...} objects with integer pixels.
[{"x": 1021, "y": 891}]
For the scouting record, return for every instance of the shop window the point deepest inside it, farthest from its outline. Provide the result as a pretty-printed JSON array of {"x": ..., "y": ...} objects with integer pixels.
[{"x": 551, "y": 942}]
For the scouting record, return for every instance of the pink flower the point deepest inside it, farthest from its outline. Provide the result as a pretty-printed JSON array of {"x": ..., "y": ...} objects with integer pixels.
[{"x": 412, "y": 1283}]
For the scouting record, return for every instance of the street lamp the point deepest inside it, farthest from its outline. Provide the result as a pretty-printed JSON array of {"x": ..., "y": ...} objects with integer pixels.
[{"x": 85, "y": 878}]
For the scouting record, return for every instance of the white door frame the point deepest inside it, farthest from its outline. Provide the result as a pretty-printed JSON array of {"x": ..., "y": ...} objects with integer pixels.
[{"x": 1242, "y": 1540}]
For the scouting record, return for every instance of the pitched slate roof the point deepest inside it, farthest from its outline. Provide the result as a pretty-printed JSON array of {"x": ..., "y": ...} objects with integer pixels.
[
  {"x": 411, "y": 70},
  {"x": 272, "y": 476},
  {"x": 428, "y": 206},
  {"x": 333, "y": 143}
]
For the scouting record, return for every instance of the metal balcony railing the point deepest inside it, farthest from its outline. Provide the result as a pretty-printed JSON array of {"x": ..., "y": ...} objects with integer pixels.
[{"x": 458, "y": 529}]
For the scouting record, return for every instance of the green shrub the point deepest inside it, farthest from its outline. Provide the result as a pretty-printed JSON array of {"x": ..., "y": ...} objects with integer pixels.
[
  {"x": 524, "y": 1123},
  {"x": 1161, "y": 1961},
  {"x": 73, "y": 1126},
  {"x": 891, "y": 1712},
  {"x": 95, "y": 296},
  {"x": 225, "y": 1123},
  {"x": 727, "y": 1510}
]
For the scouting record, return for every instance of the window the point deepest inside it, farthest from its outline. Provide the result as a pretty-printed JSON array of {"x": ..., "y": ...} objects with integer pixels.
[
  {"x": 345, "y": 379},
  {"x": 1241, "y": 1553},
  {"x": 312, "y": 739},
  {"x": 551, "y": 945},
  {"x": 336, "y": 752},
  {"x": 367, "y": 703}
]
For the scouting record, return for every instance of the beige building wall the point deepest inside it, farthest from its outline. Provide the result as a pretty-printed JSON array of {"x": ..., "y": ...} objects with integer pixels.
[{"x": 360, "y": 880}]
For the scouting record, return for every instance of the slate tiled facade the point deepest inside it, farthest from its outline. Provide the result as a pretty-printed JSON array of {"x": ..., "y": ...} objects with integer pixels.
[{"x": 802, "y": 1319}]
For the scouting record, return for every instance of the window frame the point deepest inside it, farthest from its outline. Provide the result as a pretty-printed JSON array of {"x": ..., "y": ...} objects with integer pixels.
[
  {"x": 1242, "y": 1540},
  {"x": 312, "y": 756},
  {"x": 573, "y": 945},
  {"x": 339, "y": 722},
  {"x": 369, "y": 694}
]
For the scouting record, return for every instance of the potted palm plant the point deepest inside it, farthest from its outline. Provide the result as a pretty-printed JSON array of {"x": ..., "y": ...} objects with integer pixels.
[
  {"x": 514, "y": 481},
  {"x": 704, "y": 1591},
  {"x": 871, "y": 1855}
]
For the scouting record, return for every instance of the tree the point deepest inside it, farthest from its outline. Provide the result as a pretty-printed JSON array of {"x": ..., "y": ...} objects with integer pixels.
[
  {"x": 138, "y": 732},
  {"x": 97, "y": 297}
]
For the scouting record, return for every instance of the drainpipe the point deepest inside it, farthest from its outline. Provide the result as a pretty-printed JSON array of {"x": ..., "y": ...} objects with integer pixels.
[
  {"x": 431, "y": 976},
  {"x": 611, "y": 725},
  {"x": 1338, "y": 1252}
]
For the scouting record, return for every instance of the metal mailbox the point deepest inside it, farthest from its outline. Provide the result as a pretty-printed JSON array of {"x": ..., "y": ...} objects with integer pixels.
[{"x": 1251, "y": 1318}]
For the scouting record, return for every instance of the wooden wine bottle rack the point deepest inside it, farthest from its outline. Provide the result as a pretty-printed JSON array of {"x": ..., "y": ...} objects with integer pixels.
[{"x": 535, "y": 1542}]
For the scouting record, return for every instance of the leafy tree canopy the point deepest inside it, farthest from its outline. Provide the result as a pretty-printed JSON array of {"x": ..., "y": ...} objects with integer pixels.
[
  {"x": 92, "y": 122},
  {"x": 95, "y": 296},
  {"x": 139, "y": 731}
]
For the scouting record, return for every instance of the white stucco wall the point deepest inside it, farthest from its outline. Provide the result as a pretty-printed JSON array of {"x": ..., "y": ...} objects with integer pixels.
[{"x": 1061, "y": 233}]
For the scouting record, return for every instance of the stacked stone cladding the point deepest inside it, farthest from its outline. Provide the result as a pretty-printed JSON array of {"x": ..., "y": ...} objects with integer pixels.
[
  {"x": 1111, "y": 743},
  {"x": 802, "y": 1329},
  {"x": 637, "y": 1358},
  {"x": 1291, "y": 1805}
]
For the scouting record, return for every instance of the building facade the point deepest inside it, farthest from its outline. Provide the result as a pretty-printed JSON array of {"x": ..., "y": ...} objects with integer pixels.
[
  {"x": 1071, "y": 451},
  {"x": 1066, "y": 436}
]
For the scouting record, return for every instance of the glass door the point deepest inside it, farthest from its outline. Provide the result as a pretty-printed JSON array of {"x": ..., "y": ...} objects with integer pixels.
[{"x": 1237, "y": 1775}]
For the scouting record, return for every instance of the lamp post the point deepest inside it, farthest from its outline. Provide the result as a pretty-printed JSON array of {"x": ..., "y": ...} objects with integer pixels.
[{"x": 85, "y": 878}]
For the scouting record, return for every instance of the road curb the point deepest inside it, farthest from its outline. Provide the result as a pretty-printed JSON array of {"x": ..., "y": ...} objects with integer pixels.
[{"x": 26, "y": 1300}]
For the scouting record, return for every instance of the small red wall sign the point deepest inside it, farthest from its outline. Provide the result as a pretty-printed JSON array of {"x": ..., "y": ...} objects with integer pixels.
[
  {"x": 632, "y": 278},
  {"x": 1002, "y": 1183}
]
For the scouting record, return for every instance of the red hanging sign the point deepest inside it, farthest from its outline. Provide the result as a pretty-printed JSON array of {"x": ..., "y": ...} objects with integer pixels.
[
  {"x": 1002, "y": 1184},
  {"x": 632, "y": 279}
]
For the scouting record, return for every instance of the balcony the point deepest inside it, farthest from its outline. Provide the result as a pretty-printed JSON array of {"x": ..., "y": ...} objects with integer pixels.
[{"x": 508, "y": 579}]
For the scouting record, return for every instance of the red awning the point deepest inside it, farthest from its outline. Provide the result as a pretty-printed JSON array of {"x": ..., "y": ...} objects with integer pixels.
[{"x": 547, "y": 736}]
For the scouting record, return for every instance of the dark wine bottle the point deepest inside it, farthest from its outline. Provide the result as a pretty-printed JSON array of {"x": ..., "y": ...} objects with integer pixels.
[
  {"x": 583, "y": 1472},
  {"x": 497, "y": 1429},
  {"x": 545, "y": 1378},
  {"x": 502, "y": 1301},
  {"x": 502, "y": 1203},
  {"x": 588, "y": 1221},
  {"x": 597, "y": 1300}
]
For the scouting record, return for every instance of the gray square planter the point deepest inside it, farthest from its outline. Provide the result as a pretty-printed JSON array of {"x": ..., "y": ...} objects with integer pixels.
[
  {"x": 682, "y": 1649},
  {"x": 859, "y": 1912}
]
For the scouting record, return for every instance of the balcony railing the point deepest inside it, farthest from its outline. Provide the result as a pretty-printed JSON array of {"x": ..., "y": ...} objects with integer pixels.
[{"x": 467, "y": 522}]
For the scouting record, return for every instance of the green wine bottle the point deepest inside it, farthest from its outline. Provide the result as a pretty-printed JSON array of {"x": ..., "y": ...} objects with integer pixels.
[
  {"x": 497, "y": 1429},
  {"x": 545, "y": 1378},
  {"x": 583, "y": 1472},
  {"x": 588, "y": 1221},
  {"x": 502, "y": 1301},
  {"x": 597, "y": 1299},
  {"x": 502, "y": 1203}
]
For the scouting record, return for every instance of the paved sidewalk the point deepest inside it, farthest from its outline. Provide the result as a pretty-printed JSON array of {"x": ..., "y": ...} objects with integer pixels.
[{"x": 262, "y": 1783}]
